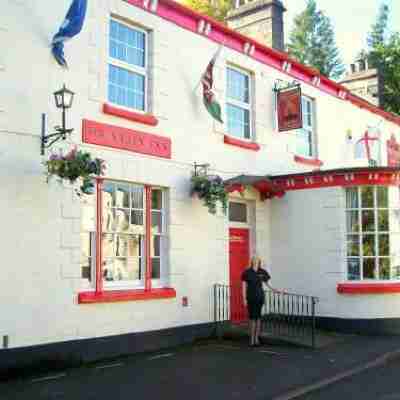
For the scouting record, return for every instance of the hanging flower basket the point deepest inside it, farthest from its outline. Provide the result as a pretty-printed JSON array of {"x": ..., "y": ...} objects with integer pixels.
[
  {"x": 211, "y": 190},
  {"x": 74, "y": 165}
]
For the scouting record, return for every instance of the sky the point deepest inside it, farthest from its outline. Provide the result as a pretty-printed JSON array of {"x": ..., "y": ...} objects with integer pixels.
[{"x": 351, "y": 19}]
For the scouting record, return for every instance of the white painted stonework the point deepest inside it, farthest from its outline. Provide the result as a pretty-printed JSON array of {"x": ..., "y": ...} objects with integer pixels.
[{"x": 301, "y": 236}]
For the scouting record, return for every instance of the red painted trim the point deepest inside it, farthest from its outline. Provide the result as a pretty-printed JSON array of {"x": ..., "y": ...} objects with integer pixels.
[
  {"x": 308, "y": 161},
  {"x": 125, "y": 295},
  {"x": 188, "y": 19},
  {"x": 148, "y": 272},
  {"x": 235, "y": 188},
  {"x": 146, "y": 119},
  {"x": 368, "y": 288},
  {"x": 241, "y": 143},
  {"x": 99, "y": 229}
]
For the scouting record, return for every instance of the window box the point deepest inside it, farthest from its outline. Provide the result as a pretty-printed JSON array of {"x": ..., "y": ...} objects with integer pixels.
[
  {"x": 308, "y": 161},
  {"x": 241, "y": 143},
  {"x": 115, "y": 296},
  {"x": 368, "y": 288},
  {"x": 147, "y": 119}
]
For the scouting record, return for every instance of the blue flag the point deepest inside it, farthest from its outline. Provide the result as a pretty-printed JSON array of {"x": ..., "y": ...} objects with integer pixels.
[{"x": 71, "y": 26}]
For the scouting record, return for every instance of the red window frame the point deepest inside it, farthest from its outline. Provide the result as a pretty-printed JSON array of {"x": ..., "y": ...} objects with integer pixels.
[{"x": 99, "y": 295}]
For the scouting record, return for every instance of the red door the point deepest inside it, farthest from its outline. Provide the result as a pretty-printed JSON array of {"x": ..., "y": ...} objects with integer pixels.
[{"x": 238, "y": 262}]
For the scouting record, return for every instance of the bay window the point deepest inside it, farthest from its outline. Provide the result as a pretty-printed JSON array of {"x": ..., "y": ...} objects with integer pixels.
[
  {"x": 124, "y": 237},
  {"x": 373, "y": 233}
]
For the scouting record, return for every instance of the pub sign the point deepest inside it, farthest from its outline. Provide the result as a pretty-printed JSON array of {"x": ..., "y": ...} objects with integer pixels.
[{"x": 289, "y": 109}]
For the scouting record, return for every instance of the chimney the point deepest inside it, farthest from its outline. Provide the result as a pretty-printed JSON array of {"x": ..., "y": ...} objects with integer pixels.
[{"x": 262, "y": 20}]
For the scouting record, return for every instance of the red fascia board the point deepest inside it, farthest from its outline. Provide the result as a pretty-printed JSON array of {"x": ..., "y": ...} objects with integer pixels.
[
  {"x": 267, "y": 55},
  {"x": 146, "y": 119},
  {"x": 241, "y": 143},
  {"x": 368, "y": 288},
  {"x": 115, "y": 296},
  {"x": 308, "y": 161}
]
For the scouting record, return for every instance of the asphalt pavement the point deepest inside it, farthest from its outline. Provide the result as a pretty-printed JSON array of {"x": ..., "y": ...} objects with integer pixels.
[{"x": 210, "y": 370}]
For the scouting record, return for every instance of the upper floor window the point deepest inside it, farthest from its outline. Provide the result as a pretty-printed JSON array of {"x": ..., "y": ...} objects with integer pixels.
[
  {"x": 305, "y": 137},
  {"x": 373, "y": 233},
  {"x": 127, "y": 67},
  {"x": 238, "y": 103}
]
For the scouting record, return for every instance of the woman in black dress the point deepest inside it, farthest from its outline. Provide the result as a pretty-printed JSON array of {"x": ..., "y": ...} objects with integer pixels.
[{"x": 253, "y": 296}]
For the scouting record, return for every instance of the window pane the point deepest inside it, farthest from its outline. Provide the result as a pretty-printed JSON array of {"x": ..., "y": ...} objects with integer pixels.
[
  {"x": 395, "y": 263},
  {"x": 238, "y": 86},
  {"x": 352, "y": 198},
  {"x": 127, "y": 44},
  {"x": 156, "y": 222},
  {"x": 107, "y": 245},
  {"x": 383, "y": 242},
  {"x": 156, "y": 246},
  {"x": 353, "y": 268},
  {"x": 304, "y": 142},
  {"x": 121, "y": 220},
  {"x": 384, "y": 268},
  {"x": 156, "y": 199},
  {"x": 126, "y": 88},
  {"x": 368, "y": 242},
  {"x": 394, "y": 220},
  {"x": 121, "y": 198},
  {"x": 383, "y": 220},
  {"x": 155, "y": 268},
  {"x": 122, "y": 269},
  {"x": 108, "y": 194},
  {"x": 137, "y": 196},
  {"x": 352, "y": 221},
  {"x": 368, "y": 221},
  {"x": 137, "y": 223},
  {"x": 367, "y": 197},
  {"x": 237, "y": 212},
  {"x": 369, "y": 269},
  {"x": 238, "y": 121},
  {"x": 353, "y": 245},
  {"x": 382, "y": 197}
]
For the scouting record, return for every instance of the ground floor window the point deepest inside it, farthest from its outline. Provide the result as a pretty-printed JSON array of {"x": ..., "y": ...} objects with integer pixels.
[
  {"x": 123, "y": 236},
  {"x": 373, "y": 233}
]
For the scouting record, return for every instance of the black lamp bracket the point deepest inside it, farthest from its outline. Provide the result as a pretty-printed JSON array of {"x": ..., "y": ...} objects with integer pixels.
[
  {"x": 200, "y": 169},
  {"x": 48, "y": 140}
]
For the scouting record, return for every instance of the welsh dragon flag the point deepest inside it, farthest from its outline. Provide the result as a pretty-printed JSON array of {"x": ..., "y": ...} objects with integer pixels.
[{"x": 209, "y": 98}]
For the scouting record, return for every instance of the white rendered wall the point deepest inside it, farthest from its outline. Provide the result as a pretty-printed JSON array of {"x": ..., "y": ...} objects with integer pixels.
[{"x": 41, "y": 222}]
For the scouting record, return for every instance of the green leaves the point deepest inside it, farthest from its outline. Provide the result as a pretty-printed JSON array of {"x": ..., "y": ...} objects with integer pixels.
[
  {"x": 211, "y": 190},
  {"x": 312, "y": 42},
  {"x": 74, "y": 165}
]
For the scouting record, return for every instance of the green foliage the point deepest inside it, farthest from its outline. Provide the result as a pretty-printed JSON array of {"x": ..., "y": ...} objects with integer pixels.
[
  {"x": 312, "y": 42},
  {"x": 74, "y": 165},
  {"x": 217, "y": 9},
  {"x": 387, "y": 57},
  {"x": 210, "y": 189},
  {"x": 379, "y": 30}
]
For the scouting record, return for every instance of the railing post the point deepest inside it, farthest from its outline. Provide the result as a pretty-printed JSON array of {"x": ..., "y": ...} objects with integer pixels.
[
  {"x": 313, "y": 322},
  {"x": 215, "y": 310}
]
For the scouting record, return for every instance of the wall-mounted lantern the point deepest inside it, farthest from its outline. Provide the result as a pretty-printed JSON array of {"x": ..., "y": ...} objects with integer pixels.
[{"x": 64, "y": 99}]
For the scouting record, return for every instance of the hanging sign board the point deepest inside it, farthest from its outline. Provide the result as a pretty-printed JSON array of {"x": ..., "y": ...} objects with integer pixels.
[
  {"x": 393, "y": 152},
  {"x": 289, "y": 109}
]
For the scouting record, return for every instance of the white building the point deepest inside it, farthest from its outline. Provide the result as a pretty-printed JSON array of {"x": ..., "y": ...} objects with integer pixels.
[{"x": 325, "y": 223}]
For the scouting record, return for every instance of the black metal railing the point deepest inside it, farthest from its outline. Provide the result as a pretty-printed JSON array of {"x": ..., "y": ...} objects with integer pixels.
[{"x": 286, "y": 315}]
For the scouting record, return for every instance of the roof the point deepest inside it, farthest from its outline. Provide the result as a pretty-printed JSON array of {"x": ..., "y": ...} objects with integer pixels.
[{"x": 217, "y": 32}]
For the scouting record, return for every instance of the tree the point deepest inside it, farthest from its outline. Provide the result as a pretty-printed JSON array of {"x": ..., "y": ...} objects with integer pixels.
[
  {"x": 387, "y": 58},
  {"x": 312, "y": 41},
  {"x": 379, "y": 29},
  {"x": 217, "y": 9}
]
